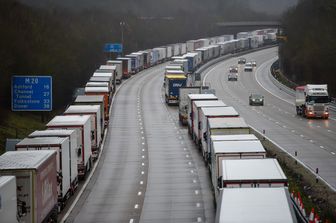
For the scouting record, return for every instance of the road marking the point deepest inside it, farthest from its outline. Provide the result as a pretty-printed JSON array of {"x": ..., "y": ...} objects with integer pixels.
[
  {"x": 194, "y": 181},
  {"x": 187, "y": 156},
  {"x": 293, "y": 130},
  {"x": 311, "y": 141},
  {"x": 143, "y": 150},
  {"x": 333, "y": 153},
  {"x": 322, "y": 147},
  {"x": 199, "y": 219},
  {"x": 142, "y": 132},
  {"x": 141, "y": 182},
  {"x": 143, "y": 143},
  {"x": 136, "y": 206},
  {"x": 142, "y": 138},
  {"x": 301, "y": 136},
  {"x": 184, "y": 148},
  {"x": 142, "y": 172},
  {"x": 329, "y": 130},
  {"x": 198, "y": 205},
  {"x": 189, "y": 163},
  {"x": 131, "y": 220},
  {"x": 143, "y": 157},
  {"x": 284, "y": 126},
  {"x": 140, "y": 123},
  {"x": 196, "y": 192},
  {"x": 142, "y": 164},
  {"x": 139, "y": 193},
  {"x": 191, "y": 171},
  {"x": 318, "y": 126}
]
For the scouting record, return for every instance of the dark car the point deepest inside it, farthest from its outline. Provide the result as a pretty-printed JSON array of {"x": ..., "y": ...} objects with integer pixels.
[
  {"x": 241, "y": 60},
  {"x": 256, "y": 99}
]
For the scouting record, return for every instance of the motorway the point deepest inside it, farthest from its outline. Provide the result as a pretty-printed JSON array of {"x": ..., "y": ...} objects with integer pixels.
[
  {"x": 149, "y": 170},
  {"x": 313, "y": 139}
]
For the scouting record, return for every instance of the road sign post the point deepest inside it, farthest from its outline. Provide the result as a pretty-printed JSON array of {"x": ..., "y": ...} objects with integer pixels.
[{"x": 31, "y": 93}]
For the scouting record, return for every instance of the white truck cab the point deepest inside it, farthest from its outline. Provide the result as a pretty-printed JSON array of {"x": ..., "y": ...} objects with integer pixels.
[{"x": 312, "y": 101}]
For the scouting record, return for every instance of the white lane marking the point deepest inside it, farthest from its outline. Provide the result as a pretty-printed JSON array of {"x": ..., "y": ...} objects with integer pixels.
[
  {"x": 141, "y": 182},
  {"x": 311, "y": 141},
  {"x": 143, "y": 157},
  {"x": 187, "y": 156},
  {"x": 194, "y": 181},
  {"x": 143, "y": 143},
  {"x": 136, "y": 206},
  {"x": 142, "y": 172},
  {"x": 333, "y": 153},
  {"x": 142, "y": 132},
  {"x": 189, "y": 163},
  {"x": 199, "y": 219},
  {"x": 139, "y": 193},
  {"x": 301, "y": 136},
  {"x": 322, "y": 147},
  {"x": 142, "y": 164},
  {"x": 191, "y": 171},
  {"x": 184, "y": 148},
  {"x": 257, "y": 79},
  {"x": 292, "y": 130},
  {"x": 284, "y": 126},
  {"x": 198, "y": 205},
  {"x": 142, "y": 138},
  {"x": 196, "y": 192},
  {"x": 131, "y": 220},
  {"x": 143, "y": 150},
  {"x": 329, "y": 130}
]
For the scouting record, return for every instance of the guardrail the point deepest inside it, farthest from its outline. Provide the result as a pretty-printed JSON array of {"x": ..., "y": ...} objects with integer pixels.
[
  {"x": 291, "y": 91},
  {"x": 272, "y": 146}
]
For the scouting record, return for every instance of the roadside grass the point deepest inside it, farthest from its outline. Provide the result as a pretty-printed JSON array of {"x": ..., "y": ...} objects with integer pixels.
[{"x": 18, "y": 125}]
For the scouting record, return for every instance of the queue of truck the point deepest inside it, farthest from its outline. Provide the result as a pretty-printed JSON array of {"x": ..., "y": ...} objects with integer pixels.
[
  {"x": 237, "y": 163},
  {"x": 43, "y": 172}
]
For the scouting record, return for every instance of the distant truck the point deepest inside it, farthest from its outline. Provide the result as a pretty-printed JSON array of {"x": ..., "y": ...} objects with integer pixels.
[
  {"x": 312, "y": 101},
  {"x": 173, "y": 83}
]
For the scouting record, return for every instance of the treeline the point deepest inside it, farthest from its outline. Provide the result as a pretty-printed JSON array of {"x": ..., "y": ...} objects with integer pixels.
[
  {"x": 68, "y": 43},
  {"x": 309, "y": 54}
]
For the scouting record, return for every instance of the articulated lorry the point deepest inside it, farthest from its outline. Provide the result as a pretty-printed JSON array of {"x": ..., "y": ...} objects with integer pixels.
[
  {"x": 173, "y": 82},
  {"x": 312, "y": 101}
]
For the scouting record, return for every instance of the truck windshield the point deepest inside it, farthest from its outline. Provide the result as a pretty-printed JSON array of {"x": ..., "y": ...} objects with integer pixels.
[{"x": 318, "y": 99}]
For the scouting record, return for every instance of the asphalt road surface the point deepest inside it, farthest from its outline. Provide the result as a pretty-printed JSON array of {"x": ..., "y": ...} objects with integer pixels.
[
  {"x": 150, "y": 170},
  {"x": 313, "y": 139}
]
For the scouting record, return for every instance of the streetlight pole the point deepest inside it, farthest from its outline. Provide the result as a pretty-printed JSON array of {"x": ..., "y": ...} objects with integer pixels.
[{"x": 122, "y": 24}]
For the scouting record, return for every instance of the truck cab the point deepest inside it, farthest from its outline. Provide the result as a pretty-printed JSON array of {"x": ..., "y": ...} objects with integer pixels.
[{"x": 312, "y": 101}]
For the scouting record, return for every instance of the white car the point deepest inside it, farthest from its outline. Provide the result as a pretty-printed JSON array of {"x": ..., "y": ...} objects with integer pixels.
[{"x": 248, "y": 67}]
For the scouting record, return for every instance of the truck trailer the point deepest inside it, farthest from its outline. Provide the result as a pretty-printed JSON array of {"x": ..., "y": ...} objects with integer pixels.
[
  {"x": 191, "y": 99},
  {"x": 36, "y": 183},
  {"x": 262, "y": 205},
  {"x": 94, "y": 112},
  {"x": 172, "y": 85},
  {"x": 65, "y": 160},
  {"x": 8, "y": 199},
  {"x": 232, "y": 150},
  {"x": 94, "y": 100},
  {"x": 83, "y": 123},
  {"x": 196, "y": 111}
]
